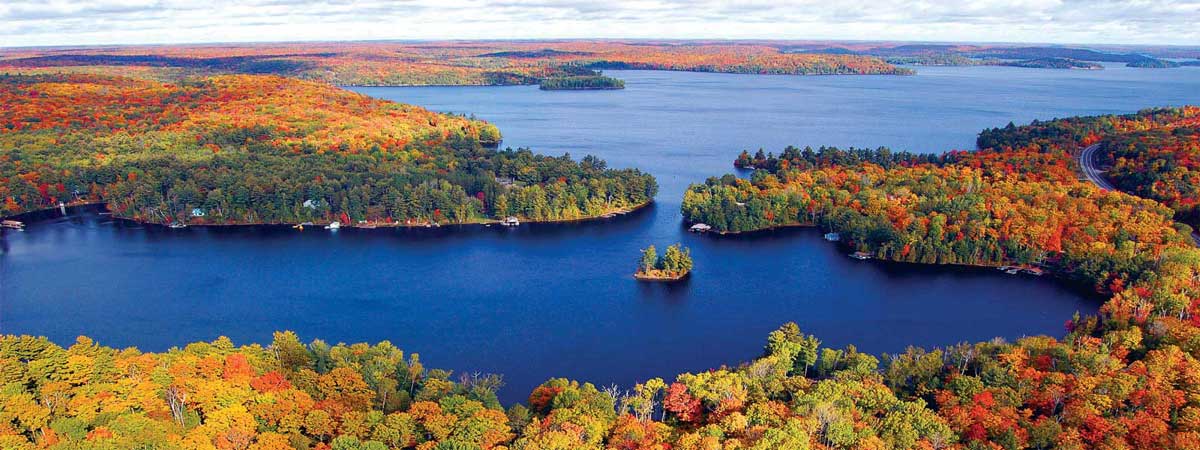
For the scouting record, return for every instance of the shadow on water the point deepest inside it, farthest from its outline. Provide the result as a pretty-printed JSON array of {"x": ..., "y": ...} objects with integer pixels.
[{"x": 669, "y": 292}]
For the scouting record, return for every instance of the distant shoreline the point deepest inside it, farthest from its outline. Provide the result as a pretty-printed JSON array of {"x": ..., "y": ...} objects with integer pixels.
[{"x": 909, "y": 73}]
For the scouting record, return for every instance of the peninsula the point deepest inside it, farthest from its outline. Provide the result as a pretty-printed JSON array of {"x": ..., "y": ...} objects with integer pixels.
[{"x": 255, "y": 149}]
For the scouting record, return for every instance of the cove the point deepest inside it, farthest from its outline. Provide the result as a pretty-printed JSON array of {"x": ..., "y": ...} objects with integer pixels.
[{"x": 558, "y": 299}]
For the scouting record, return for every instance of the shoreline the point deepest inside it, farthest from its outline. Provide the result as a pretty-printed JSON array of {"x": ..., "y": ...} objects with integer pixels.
[
  {"x": 895, "y": 73},
  {"x": 642, "y": 276},
  {"x": 582, "y": 89},
  {"x": 687, "y": 224},
  {"x": 24, "y": 216},
  {"x": 843, "y": 246},
  {"x": 607, "y": 215}
]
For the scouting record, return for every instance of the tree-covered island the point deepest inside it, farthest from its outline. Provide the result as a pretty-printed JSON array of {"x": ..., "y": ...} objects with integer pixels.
[
  {"x": 674, "y": 264},
  {"x": 581, "y": 83}
]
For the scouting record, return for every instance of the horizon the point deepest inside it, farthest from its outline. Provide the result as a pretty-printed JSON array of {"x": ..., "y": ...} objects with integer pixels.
[
  {"x": 1092, "y": 45},
  {"x": 142, "y": 22}
]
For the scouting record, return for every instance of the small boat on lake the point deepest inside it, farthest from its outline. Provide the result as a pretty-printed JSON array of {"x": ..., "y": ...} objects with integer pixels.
[
  {"x": 333, "y": 226},
  {"x": 511, "y": 221},
  {"x": 862, "y": 256},
  {"x": 13, "y": 224},
  {"x": 700, "y": 228},
  {"x": 177, "y": 225}
]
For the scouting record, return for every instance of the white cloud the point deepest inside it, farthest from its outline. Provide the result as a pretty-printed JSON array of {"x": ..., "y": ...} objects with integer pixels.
[{"x": 59, "y": 22}]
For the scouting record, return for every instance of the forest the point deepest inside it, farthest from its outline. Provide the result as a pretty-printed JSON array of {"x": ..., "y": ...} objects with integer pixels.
[
  {"x": 437, "y": 63},
  {"x": 1125, "y": 378},
  {"x": 675, "y": 263},
  {"x": 1039, "y": 57},
  {"x": 1153, "y": 154},
  {"x": 1019, "y": 200},
  {"x": 586, "y": 82},
  {"x": 1054, "y": 63},
  {"x": 248, "y": 149}
]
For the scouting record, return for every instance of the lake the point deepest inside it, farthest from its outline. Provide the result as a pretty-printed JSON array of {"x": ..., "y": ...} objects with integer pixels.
[{"x": 544, "y": 301}]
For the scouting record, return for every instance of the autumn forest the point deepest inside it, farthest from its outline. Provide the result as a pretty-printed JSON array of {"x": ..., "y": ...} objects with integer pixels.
[
  {"x": 440, "y": 63},
  {"x": 261, "y": 134},
  {"x": 241, "y": 149}
]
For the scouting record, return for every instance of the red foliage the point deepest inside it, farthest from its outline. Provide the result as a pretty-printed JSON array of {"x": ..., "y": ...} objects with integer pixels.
[
  {"x": 680, "y": 403},
  {"x": 540, "y": 398},
  {"x": 272, "y": 381}
]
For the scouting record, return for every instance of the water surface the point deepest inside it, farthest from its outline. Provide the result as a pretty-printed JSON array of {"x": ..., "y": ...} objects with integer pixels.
[{"x": 558, "y": 300}]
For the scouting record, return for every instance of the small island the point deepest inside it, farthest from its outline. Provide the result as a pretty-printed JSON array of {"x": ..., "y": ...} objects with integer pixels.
[
  {"x": 1153, "y": 63},
  {"x": 581, "y": 83},
  {"x": 1054, "y": 63},
  {"x": 674, "y": 264}
]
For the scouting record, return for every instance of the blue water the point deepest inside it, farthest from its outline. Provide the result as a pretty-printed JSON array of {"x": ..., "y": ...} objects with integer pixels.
[{"x": 558, "y": 300}]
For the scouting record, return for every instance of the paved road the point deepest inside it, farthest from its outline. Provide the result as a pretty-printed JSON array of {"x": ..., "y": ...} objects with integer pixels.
[{"x": 1087, "y": 162}]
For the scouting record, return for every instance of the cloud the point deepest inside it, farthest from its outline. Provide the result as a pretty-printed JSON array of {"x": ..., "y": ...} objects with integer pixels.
[{"x": 60, "y": 22}]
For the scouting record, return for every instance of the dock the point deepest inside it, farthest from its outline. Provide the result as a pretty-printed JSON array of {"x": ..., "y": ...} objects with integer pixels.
[{"x": 12, "y": 224}]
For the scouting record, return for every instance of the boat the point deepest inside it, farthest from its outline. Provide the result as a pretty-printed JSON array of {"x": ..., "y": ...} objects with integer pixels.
[
  {"x": 177, "y": 225},
  {"x": 1013, "y": 271},
  {"x": 335, "y": 225},
  {"x": 511, "y": 221},
  {"x": 13, "y": 224},
  {"x": 862, "y": 256},
  {"x": 700, "y": 228}
]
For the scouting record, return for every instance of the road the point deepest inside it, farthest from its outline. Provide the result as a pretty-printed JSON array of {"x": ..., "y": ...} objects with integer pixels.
[{"x": 1087, "y": 162}]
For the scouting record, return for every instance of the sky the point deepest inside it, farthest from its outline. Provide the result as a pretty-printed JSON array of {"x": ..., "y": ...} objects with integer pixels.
[{"x": 101, "y": 22}]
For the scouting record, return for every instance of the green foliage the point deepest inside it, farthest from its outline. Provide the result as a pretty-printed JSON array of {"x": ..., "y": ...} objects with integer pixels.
[
  {"x": 675, "y": 261},
  {"x": 284, "y": 163},
  {"x": 585, "y": 82}
]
